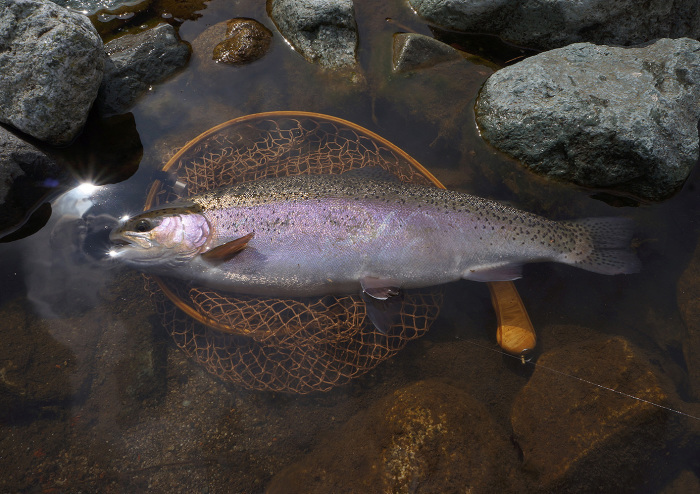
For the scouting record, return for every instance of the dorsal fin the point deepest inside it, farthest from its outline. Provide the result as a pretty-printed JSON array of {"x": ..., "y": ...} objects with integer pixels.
[{"x": 225, "y": 252}]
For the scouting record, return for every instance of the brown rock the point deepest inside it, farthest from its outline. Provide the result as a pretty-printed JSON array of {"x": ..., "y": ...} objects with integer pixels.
[
  {"x": 238, "y": 40},
  {"x": 426, "y": 437},
  {"x": 248, "y": 41},
  {"x": 579, "y": 437}
]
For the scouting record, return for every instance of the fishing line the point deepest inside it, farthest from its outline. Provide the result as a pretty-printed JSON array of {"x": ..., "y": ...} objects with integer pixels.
[{"x": 496, "y": 350}]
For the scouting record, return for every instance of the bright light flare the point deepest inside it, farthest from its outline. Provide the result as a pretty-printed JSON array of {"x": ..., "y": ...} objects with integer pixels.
[{"x": 87, "y": 188}]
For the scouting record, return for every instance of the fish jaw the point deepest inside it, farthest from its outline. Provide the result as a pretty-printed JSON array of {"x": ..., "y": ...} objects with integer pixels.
[{"x": 157, "y": 242}]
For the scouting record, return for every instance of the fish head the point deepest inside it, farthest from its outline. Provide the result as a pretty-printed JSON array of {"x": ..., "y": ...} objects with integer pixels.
[{"x": 162, "y": 238}]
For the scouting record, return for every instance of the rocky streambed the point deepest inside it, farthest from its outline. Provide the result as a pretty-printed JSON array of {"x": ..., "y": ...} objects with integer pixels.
[{"x": 566, "y": 110}]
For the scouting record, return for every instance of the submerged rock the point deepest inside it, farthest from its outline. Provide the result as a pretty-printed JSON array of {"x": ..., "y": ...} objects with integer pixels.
[
  {"x": 203, "y": 45},
  {"x": 35, "y": 369},
  {"x": 426, "y": 437},
  {"x": 136, "y": 61},
  {"x": 557, "y": 23},
  {"x": 416, "y": 51},
  {"x": 601, "y": 116},
  {"x": 248, "y": 40},
  {"x": 52, "y": 62},
  {"x": 578, "y": 437},
  {"x": 687, "y": 481},
  {"x": 688, "y": 295},
  {"x": 323, "y": 31}
]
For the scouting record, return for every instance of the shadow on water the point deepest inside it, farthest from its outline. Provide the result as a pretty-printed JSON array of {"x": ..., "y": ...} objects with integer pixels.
[
  {"x": 95, "y": 397},
  {"x": 108, "y": 151}
]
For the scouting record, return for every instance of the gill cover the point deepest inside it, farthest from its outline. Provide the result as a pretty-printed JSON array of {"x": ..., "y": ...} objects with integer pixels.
[{"x": 166, "y": 236}]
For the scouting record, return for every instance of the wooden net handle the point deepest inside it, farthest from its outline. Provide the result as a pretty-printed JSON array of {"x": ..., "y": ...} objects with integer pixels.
[{"x": 515, "y": 332}]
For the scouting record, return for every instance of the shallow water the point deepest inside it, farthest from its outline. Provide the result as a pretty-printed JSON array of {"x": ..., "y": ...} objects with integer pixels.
[{"x": 95, "y": 396}]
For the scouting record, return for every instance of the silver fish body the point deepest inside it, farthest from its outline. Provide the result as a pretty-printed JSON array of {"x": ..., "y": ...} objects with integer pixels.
[{"x": 332, "y": 234}]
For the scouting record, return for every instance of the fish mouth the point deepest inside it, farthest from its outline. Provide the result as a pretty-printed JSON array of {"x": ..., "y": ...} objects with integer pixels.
[{"x": 120, "y": 242}]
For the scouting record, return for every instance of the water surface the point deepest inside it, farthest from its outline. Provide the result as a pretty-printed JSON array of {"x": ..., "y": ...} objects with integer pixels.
[{"x": 96, "y": 397}]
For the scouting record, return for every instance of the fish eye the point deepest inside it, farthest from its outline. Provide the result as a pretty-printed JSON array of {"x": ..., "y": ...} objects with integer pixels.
[{"x": 142, "y": 226}]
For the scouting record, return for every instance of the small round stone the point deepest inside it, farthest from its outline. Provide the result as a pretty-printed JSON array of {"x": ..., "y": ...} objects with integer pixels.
[{"x": 248, "y": 41}]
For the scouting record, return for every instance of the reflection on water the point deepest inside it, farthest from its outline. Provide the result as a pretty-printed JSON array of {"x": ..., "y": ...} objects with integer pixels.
[
  {"x": 64, "y": 263},
  {"x": 95, "y": 398}
]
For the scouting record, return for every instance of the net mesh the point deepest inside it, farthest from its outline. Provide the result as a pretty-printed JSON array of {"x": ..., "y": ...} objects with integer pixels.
[{"x": 275, "y": 344}]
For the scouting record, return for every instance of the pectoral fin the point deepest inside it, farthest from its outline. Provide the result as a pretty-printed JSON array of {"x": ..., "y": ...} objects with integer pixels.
[{"x": 225, "y": 252}]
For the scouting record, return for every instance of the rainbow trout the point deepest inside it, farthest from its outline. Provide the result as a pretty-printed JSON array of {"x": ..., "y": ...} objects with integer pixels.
[{"x": 333, "y": 234}]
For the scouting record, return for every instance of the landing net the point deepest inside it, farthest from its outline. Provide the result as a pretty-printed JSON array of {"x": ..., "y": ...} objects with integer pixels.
[{"x": 283, "y": 344}]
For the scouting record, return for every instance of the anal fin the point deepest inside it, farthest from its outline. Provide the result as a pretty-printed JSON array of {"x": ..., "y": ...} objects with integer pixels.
[
  {"x": 382, "y": 313},
  {"x": 504, "y": 272}
]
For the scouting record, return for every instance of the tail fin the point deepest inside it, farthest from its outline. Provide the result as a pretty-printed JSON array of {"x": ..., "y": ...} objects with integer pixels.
[{"x": 603, "y": 246}]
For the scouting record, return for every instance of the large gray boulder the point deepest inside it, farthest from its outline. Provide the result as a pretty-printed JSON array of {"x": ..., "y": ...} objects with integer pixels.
[
  {"x": 549, "y": 24},
  {"x": 601, "y": 116},
  {"x": 51, "y": 65},
  {"x": 137, "y": 61},
  {"x": 323, "y": 31}
]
